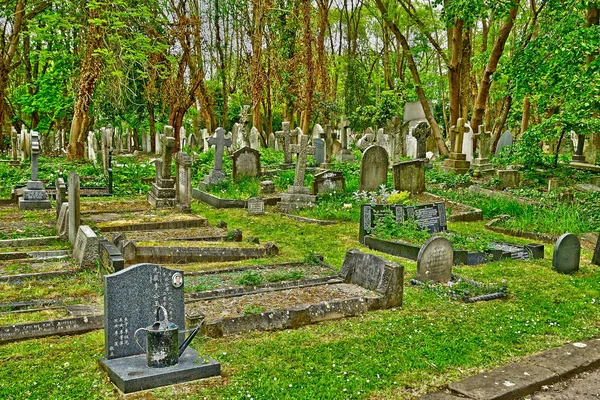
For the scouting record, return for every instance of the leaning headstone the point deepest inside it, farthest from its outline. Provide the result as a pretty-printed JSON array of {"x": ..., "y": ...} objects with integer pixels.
[
  {"x": 319, "y": 145},
  {"x": 74, "y": 206},
  {"x": 163, "y": 192},
  {"x": 34, "y": 196},
  {"x": 376, "y": 274},
  {"x": 505, "y": 140},
  {"x": 183, "y": 183},
  {"x": 435, "y": 260},
  {"x": 329, "y": 181},
  {"x": 61, "y": 194},
  {"x": 254, "y": 138},
  {"x": 216, "y": 175},
  {"x": 409, "y": 176},
  {"x": 596, "y": 256},
  {"x": 62, "y": 223},
  {"x": 111, "y": 260},
  {"x": 85, "y": 250},
  {"x": 256, "y": 206},
  {"x": 567, "y": 253},
  {"x": 147, "y": 286},
  {"x": 246, "y": 162},
  {"x": 373, "y": 168}
]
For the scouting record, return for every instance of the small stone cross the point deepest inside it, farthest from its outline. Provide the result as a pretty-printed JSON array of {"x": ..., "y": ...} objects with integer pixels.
[
  {"x": 483, "y": 141},
  {"x": 422, "y": 132},
  {"x": 286, "y": 134},
  {"x": 219, "y": 142},
  {"x": 303, "y": 148},
  {"x": 168, "y": 143}
]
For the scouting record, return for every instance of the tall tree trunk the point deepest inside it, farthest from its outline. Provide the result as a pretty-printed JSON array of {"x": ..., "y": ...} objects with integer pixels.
[
  {"x": 455, "y": 37},
  {"x": 323, "y": 85},
  {"x": 387, "y": 73},
  {"x": 526, "y": 114},
  {"x": 256, "y": 69},
  {"x": 221, "y": 66},
  {"x": 309, "y": 65},
  {"x": 416, "y": 78},
  {"x": 89, "y": 75},
  {"x": 486, "y": 83}
]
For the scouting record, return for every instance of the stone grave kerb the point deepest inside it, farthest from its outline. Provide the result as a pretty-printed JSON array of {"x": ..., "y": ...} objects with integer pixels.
[
  {"x": 286, "y": 134},
  {"x": 302, "y": 149},
  {"x": 220, "y": 142}
]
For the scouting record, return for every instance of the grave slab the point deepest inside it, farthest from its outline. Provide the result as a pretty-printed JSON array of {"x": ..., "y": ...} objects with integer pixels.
[
  {"x": 509, "y": 382},
  {"x": 570, "y": 359},
  {"x": 131, "y": 374}
]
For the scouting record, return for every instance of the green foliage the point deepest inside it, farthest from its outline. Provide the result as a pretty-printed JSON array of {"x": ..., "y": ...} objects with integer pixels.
[
  {"x": 446, "y": 179},
  {"x": 252, "y": 309},
  {"x": 250, "y": 278},
  {"x": 284, "y": 276}
]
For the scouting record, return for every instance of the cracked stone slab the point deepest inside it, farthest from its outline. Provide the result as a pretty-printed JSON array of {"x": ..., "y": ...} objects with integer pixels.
[
  {"x": 569, "y": 359},
  {"x": 507, "y": 382},
  {"x": 440, "y": 396}
]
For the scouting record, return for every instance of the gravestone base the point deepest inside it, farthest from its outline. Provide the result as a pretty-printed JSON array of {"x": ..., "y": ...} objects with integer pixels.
[
  {"x": 34, "y": 197},
  {"x": 162, "y": 194},
  {"x": 285, "y": 166},
  {"x": 296, "y": 198},
  {"x": 345, "y": 155},
  {"x": 158, "y": 202},
  {"x": 214, "y": 177},
  {"x": 482, "y": 167},
  {"x": 578, "y": 158},
  {"x": 457, "y": 163},
  {"x": 183, "y": 208},
  {"x": 14, "y": 163},
  {"x": 509, "y": 179},
  {"x": 132, "y": 374}
]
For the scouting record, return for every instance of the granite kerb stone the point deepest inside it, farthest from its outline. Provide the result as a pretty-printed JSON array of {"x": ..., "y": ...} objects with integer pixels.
[
  {"x": 197, "y": 222},
  {"x": 25, "y": 242},
  {"x": 310, "y": 220},
  {"x": 40, "y": 255},
  {"x": 38, "y": 276},
  {"x": 218, "y": 202},
  {"x": 67, "y": 326},
  {"x": 162, "y": 254}
]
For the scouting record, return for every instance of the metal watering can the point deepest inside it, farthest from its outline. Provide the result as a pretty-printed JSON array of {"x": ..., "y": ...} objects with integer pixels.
[{"x": 162, "y": 341}]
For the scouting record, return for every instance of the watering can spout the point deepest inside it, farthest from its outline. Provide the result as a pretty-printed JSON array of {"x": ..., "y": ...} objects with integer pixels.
[{"x": 189, "y": 339}]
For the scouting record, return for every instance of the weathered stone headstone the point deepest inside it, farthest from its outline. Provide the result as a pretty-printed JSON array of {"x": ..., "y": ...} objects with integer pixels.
[
  {"x": 375, "y": 273},
  {"x": 147, "y": 286},
  {"x": 481, "y": 165},
  {"x": 62, "y": 223},
  {"x": 410, "y": 146},
  {"x": 422, "y": 132},
  {"x": 317, "y": 131},
  {"x": 329, "y": 181},
  {"x": 256, "y": 206},
  {"x": 328, "y": 136},
  {"x": 244, "y": 127},
  {"x": 596, "y": 256},
  {"x": 74, "y": 206},
  {"x": 409, "y": 176},
  {"x": 457, "y": 162},
  {"x": 509, "y": 178},
  {"x": 267, "y": 187},
  {"x": 567, "y": 253},
  {"x": 505, "y": 140},
  {"x": 183, "y": 184},
  {"x": 285, "y": 137},
  {"x": 34, "y": 196},
  {"x": 435, "y": 260},
  {"x": 254, "y": 138},
  {"x": 163, "y": 192},
  {"x": 85, "y": 249},
  {"x": 298, "y": 195},
  {"x": 373, "y": 168},
  {"x": 368, "y": 139},
  {"x": 246, "y": 162},
  {"x": 110, "y": 257},
  {"x": 344, "y": 154},
  {"x": 216, "y": 175},
  {"x": 271, "y": 141},
  {"x": 467, "y": 146},
  {"x": 319, "y": 145},
  {"x": 61, "y": 194}
]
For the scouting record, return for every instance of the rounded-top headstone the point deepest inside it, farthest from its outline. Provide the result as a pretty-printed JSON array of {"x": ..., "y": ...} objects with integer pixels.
[
  {"x": 567, "y": 253},
  {"x": 373, "y": 168},
  {"x": 435, "y": 260}
]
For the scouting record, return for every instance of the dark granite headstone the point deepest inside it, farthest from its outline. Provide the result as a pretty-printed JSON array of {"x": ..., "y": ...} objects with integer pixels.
[
  {"x": 430, "y": 217},
  {"x": 130, "y": 300},
  {"x": 567, "y": 253},
  {"x": 596, "y": 256}
]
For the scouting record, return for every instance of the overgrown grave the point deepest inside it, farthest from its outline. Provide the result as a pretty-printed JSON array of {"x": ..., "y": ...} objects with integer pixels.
[
  {"x": 407, "y": 224},
  {"x": 366, "y": 282}
]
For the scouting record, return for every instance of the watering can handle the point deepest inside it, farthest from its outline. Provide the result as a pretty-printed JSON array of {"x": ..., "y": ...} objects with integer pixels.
[
  {"x": 135, "y": 337},
  {"x": 158, "y": 308}
]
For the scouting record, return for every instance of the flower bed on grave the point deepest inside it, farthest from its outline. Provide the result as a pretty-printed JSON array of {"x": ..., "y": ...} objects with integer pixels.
[{"x": 401, "y": 230}]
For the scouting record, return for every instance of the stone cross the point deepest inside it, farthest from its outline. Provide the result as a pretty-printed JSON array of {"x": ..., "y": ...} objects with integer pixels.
[
  {"x": 286, "y": 134},
  {"x": 168, "y": 144},
  {"x": 343, "y": 126},
  {"x": 328, "y": 143},
  {"x": 219, "y": 142},
  {"x": 421, "y": 133},
  {"x": 483, "y": 140},
  {"x": 244, "y": 122},
  {"x": 460, "y": 133},
  {"x": 35, "y": 151},
  {"x": 303, "y": 148}
]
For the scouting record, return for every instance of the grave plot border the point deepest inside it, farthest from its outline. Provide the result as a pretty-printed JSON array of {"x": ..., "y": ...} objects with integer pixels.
[
  {"x": 543, "y": 237},
  {"x": 307, "y": 220},
  {"x": 39, "y": 276},
  {"x": 473, "y": 215},
  {"x": 35, "y": 255},
  {"x": 461, "y": 257},
  {"x": 32, "y": 241},
  {"x": 219, "y": 202},
  {"x": 60, "y": 327},
  {"x": 197, "y": 222}
]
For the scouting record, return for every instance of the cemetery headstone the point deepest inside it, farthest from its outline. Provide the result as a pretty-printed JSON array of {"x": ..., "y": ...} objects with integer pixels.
[
  {"x": 409, "y": 176},
  {"x": 509, "y": 178},
  {"x": 567, "y": 253},
  {"x": 317, "y": 131},
  {"x": 329, "y": 181},
  {"x": 271, "y": 141},
  {"x": 505, "y": 140},
  {"x": 110, "y": 257},
  {"x": 74, "y": 206},
  {"x": 61, "y": 194},
  {"x": 158, "y": 143},
  {"x": 457, "y": 161},
  {"x": 329, "y": 137},
  {"x": 319, "y": 145},
  {"x": 34, "y": 195},
  {"x": 163, "y": 193},
  {"x": 596, "y": 256},
  {"x": 422, "y": 132},
  {"x": 368, "y": 139},
  {"x": 246, "y": 162},
  {"x": 467, "y": 145},
  {"x": 216, "y": 175},
  {"x": 183, "y": 184},
  {"x": 254, "y": 138},
  {"x": 481, "y": 165},
  {"x": 285, "y": 137},
  {"x": 14, "y": 150},
  {"x": 62, "y": 223},
  {"x": 373, "y": 168},
  {"x": 298, "y": 195},
  {"x": 148, "y": 286},
  {"x": 344, "y": 154},
  {"x": 85, "y": 250},
  {"x": 429, "y": 217},
  {"x": 256, "y": 206},
  {"x": 435, "y": 260},
  {"x": 411, "y": 146},
  {"x": 267, "y": 187},
  {"x": 244, "y": 128}
]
